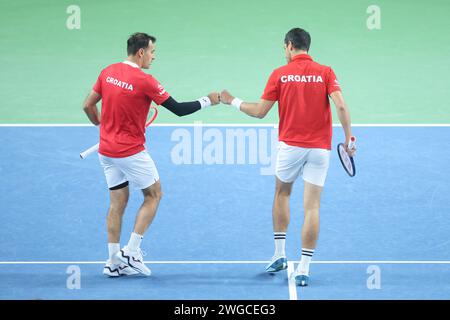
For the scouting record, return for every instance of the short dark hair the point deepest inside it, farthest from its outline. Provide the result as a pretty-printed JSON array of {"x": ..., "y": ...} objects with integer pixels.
[
  {"x": 301, "y": 40},
  {"x": 137, "y": 41}
]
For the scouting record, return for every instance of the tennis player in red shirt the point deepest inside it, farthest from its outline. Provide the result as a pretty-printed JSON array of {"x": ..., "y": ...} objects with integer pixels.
[
  {"x": 302, "y": 89},
  {"x": 126, "y": 93}
]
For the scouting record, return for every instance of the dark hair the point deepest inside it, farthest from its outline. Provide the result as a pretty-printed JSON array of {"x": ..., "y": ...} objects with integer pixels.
[
  {"x": 300, "y": 39},
  {"x": 137, "y": 41}
]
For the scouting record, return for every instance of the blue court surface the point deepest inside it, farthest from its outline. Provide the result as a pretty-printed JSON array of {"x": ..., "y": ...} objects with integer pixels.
[{"x": 212, "y": 235}]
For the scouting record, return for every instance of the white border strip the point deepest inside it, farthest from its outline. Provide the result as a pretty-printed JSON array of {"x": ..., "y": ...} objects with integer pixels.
[
  {"x": 397, "y": 125},
  {"x": 383, "y": 262},
  {"x": 291, "y": 281},
  {"x": 222, "y": 125},
  {"x": 237, "y": 262},
  {"x": 46, "y": 125},
  {"x": 150, "y": 262}
]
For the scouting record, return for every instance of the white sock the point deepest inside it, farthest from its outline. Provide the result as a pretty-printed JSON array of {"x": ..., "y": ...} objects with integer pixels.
[
  {"x": 280, "y": 244},
  {"x": 135, "y": 241},
  {"x": 113, "y": 248},
  {"x": 303, "y": 267}
]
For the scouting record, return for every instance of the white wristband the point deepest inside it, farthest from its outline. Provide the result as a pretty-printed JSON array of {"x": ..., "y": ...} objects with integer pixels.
[
  {"x": 237, "y": 103},
  {"x": 204, "y": 102}
]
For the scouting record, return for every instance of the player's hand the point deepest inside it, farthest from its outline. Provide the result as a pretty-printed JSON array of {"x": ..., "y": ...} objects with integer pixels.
[
  {"x": 214, "y": 97},
  {"x": 350, "y": 152},
  {"x": 226, "y": 97}
]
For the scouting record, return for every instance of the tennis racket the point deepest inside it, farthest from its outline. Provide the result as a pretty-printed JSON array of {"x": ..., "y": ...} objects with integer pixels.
[
  {"x": 347, "y": 162},
  {"x": 94, "y": 148}
]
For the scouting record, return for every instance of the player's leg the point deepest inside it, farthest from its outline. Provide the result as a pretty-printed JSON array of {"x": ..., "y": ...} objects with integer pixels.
[
  {"x": 132, "y": 254},
  {"x": 119, "y": 193},
  {"x": 288, "y": 166},
  {"x": 314, "y": 175},
  {"x": 280, "y": 219},
  {"x": 118, "y": 201},
  {"x": 311, "y": 205},
  {"x": 310, "y": 231},
  {"x": 141, "y": 171},
  {"x": 147, "y": 211},
  {"x": 281, "y": 210}
]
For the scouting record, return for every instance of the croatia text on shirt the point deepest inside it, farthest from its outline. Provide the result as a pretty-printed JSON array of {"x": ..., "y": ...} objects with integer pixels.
[
  {"x": 300, "y": 78},
  {"x": 121, "y": 84}
]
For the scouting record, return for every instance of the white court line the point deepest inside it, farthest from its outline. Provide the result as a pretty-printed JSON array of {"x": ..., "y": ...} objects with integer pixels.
[
  {"x": 291, "y": 281},
  {"x": 221, "y": 125},
  {"x": 150, "y": 262},
  {"x": 384, "y": 262},
  {"x": 240, "y": 262}
]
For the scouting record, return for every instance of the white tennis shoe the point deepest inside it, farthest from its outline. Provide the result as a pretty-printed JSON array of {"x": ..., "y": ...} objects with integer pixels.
[
  {"x": 278, "y": 263},
  {"x": 301, "y": 278},
  {"x": 133, "y": 259},
  {"x": 117, "y": 269}
]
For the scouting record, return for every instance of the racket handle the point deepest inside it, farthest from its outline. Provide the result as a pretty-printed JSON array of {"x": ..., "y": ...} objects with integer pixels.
[
  {"x": 89, "y": 151},
  {"x": 352, "y": 143}
]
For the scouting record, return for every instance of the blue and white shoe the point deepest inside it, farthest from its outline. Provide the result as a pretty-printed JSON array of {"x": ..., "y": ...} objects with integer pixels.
[
  {"x": 277, "y": 264},
  {"x": 134, "y": 260},
  {"x": 117, "y": 269},
  {"x": 301, "y": 280}
]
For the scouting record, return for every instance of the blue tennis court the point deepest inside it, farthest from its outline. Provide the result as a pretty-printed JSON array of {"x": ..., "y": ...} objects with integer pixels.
[{"x": 213, "y": 232}]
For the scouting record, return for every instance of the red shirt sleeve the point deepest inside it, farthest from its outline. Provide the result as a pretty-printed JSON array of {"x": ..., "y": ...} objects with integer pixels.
[
  {"x": 156, "y": 91},
  {"x": 332, "y": 83},
  {"x": 271, "y": 91},
  {"x": 98, "y": 85}
]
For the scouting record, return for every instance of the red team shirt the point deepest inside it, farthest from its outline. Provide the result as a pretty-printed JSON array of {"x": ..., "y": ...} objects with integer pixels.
[
  {"x": 127, "y": 93},
  {"x": 301, "y": 88}
]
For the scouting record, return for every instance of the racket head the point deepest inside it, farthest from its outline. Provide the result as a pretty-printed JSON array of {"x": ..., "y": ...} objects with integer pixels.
[{"x": 346, "y": 161}]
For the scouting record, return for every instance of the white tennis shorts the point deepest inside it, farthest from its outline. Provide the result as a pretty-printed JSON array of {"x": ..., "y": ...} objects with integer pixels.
[
  {"x": 138, "y": 169},
  {"x": 311, "y": 163}
]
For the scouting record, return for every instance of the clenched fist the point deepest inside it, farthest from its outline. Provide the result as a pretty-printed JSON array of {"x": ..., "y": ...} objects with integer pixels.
[
  {"x": 226, "y": 97},
  {"x": 214, "y": 97}
]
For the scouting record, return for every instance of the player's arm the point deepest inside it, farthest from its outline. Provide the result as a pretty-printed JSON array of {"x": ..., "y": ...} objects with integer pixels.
[
  {"x": 90, "y": 107},
  {"x": 344, "y": 116},
  {"x": 185, "y": 108},
  {"x": 253, "y": 109}
]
